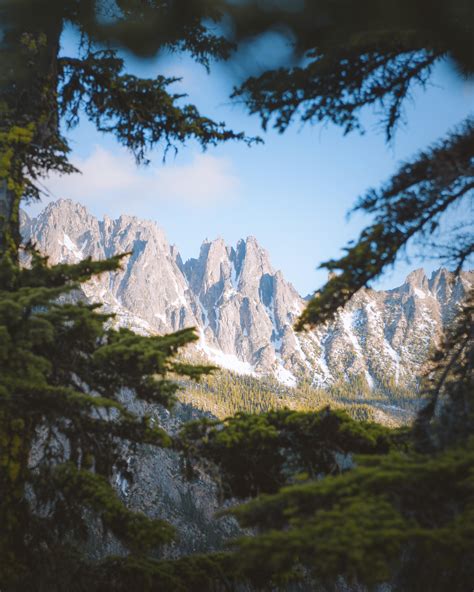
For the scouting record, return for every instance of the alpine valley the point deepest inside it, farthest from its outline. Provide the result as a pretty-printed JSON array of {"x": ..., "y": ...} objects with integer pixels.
[{"x": 368, "y": 361}]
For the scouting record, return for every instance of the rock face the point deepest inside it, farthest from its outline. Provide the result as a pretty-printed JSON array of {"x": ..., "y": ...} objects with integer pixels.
[
  {"x": 149, "y": 294},
  {"x": 160, "y": 489},
  {"x": 245, "y": 306},
  {"x": 387, "y": 335},
  {"x": 244, "y": 309}
]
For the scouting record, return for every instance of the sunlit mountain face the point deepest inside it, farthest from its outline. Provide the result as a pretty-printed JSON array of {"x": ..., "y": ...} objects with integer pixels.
[{"x": 244, "y": 310}]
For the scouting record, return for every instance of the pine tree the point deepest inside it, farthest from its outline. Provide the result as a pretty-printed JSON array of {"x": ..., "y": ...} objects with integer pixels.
[{"x": 65, "y": 428}]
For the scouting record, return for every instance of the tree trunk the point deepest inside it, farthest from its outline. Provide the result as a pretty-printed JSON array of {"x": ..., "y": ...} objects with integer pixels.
[
  {"x": 28, "y": 83},
  {"x": 6, "y": 202},
  {"x": 28, "y": 75}
]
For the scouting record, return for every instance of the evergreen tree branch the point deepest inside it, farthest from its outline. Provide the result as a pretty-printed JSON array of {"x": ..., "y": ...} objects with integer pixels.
[
  {"x": 257, "y": 454},
  {"x": 412, "y": 202},
  {"x": 421, "y": 504},
  {"x": 141, "y": 113},
  {"x": 336, "y": 86}
]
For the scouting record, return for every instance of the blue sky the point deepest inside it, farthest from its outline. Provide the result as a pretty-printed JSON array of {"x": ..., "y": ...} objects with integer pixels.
[{"x": 291, "y": 193}]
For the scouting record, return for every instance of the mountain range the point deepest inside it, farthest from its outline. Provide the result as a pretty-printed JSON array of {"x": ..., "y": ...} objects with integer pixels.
[{"x": 243, "y": 309}]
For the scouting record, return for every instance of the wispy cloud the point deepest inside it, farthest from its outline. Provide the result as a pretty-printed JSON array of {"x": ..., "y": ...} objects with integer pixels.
[{"x": 114, "y": 179}]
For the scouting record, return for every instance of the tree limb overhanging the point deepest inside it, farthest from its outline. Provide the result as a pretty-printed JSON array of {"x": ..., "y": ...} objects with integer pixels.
[{"x": 412, "y": 202}]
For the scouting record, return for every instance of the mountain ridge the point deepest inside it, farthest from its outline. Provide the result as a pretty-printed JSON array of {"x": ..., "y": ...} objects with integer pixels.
[{"x": 243, "y": 309}]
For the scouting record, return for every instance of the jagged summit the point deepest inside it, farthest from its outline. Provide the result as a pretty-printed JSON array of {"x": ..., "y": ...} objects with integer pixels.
[{"x": 243, "y": 308}]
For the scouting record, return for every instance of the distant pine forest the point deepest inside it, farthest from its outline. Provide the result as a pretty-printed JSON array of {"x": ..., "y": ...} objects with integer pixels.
[{"x": 225, "y": 393}]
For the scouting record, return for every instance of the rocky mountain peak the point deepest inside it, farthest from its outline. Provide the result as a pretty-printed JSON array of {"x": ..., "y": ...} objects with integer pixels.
[
  {"x": 441, "y": 283},
  {"x": 417, "y": 279},
  {"x": 251, "y": 263},
  {"x": 240, "y": 299}
]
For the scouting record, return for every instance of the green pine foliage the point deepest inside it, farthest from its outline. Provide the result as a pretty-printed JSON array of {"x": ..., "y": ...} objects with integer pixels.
[
  {"x": 224, "y": 393},
  {"x": 398, "y": 518},
  {"x": 259, "y": 453},
  {"x": 65, "y": 429},
  {"x": 213, "y": 572},
  {"x": 64, "y": 426}
]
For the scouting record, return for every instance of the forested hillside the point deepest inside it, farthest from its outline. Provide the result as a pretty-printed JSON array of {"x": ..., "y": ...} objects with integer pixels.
[{"x": 224, "y": 393}]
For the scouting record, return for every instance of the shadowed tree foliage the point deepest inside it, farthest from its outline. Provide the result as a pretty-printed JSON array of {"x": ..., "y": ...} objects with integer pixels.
[
  {"x": 403, "y": 519},
  {"x": 260, "y": 453},
  {"x": 66, "y": 431}
]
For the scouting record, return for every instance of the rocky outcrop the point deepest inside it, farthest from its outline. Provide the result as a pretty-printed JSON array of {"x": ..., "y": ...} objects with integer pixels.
[
  {"x": 245, "y": 305},
  {"x": 149, "y": 294},
  {"x": 244, "y": 309}
]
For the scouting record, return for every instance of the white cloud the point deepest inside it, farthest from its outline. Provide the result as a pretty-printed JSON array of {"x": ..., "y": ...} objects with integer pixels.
[
  {"x": 206, "y": 179},
  {"x": 114, "y": 179}
]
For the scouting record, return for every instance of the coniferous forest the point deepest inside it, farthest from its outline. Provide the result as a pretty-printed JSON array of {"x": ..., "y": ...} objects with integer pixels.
[{"x": 323, "y": 489}]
